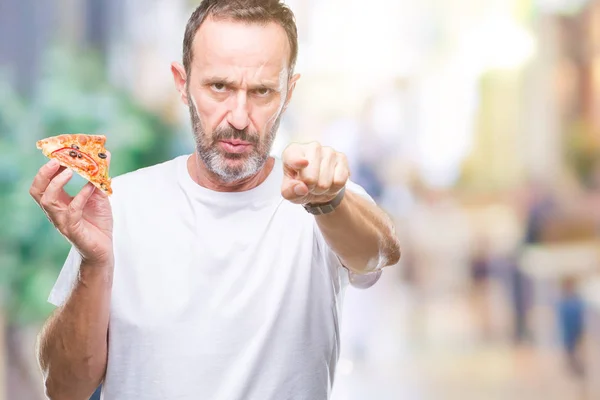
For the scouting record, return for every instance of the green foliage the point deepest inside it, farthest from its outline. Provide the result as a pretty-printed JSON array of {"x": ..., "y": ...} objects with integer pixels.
[{"x": 73, "y": 96}]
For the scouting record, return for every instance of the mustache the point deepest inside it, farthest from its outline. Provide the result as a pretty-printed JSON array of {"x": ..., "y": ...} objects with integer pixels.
[{"x": 233, "y": 133}]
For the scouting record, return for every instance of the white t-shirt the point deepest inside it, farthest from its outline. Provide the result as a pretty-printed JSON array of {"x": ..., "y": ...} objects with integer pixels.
[{"x": 224, "y": 296}]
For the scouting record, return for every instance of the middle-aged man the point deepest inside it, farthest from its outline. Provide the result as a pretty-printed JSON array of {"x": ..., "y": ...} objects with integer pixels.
[{"x": 217, "y": 275}]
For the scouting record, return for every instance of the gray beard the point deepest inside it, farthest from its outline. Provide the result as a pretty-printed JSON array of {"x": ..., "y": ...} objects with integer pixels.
[{"x": 215, "y": 159}]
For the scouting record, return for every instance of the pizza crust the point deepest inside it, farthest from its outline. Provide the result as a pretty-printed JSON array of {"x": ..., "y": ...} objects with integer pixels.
[{"x": 81, "y": 153}]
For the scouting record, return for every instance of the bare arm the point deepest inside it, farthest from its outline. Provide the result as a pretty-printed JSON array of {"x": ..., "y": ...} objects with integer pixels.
[
  {"x": 361, "y": 234},
  {"x": 72, "y": 346}
]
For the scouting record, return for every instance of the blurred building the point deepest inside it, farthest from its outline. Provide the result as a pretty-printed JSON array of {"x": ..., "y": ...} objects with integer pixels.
[
  {"x": 26, "y": 22},
  {"x": 34, "y": 27}
]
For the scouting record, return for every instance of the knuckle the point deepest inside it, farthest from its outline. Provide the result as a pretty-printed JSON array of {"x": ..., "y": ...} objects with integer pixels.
[
  {"x": 323, "y": 184},
  {"x": 323, "y": 188},
  {"x": 310, "y": 180},
  {"x": 338, "y": 184},
  {"x": 327, "y": 151},
  {"x": 72, "y": 208},
  {"x": 45, "y": 202}
]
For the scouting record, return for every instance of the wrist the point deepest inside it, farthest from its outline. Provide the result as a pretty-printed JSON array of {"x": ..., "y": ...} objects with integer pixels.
[
  {"x": 96, "y": 275},
  {"x": 325, "y": 207},
  {"x": 322, "y": 202},
  {"x": 105, "y": 262}
]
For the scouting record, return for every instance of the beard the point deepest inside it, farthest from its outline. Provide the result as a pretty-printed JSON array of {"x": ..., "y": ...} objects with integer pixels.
[{"x": 231, "y": 167}]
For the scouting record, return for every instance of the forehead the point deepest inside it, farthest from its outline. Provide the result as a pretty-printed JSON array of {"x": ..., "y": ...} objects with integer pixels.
[{"x": 232, "y": 47}]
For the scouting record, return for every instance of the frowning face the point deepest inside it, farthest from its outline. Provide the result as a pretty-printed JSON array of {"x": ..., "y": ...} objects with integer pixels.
[{"x": 238, "y": 88}]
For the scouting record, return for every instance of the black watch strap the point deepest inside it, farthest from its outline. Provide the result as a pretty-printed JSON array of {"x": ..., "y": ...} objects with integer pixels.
[{"x": 325, "y": 208}]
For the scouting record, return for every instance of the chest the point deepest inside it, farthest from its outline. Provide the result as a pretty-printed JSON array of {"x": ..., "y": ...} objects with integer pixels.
[{"x": 237, "y": 268}]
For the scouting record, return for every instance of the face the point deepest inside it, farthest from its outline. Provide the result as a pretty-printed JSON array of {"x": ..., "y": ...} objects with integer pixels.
[{"x": 237, "y": 91}]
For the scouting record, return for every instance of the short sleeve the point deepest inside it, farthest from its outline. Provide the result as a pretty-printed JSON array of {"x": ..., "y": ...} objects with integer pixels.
[
  {"x": 345, "y": 276},
  {"x": 66, "y": 279},
  {"x": 357, "y": 189}
]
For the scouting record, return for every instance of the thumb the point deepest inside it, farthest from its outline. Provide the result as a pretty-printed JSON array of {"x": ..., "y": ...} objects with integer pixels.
[{"x": 293, "y": 189}]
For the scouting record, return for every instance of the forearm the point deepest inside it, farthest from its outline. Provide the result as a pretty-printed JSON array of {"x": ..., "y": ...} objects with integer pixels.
[
  {"x": 72, "y": 347},
  {"x": 361, "y": 234}
]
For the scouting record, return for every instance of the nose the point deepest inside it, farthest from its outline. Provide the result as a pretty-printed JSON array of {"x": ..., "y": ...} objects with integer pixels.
[{"x": 239, "y": 115}]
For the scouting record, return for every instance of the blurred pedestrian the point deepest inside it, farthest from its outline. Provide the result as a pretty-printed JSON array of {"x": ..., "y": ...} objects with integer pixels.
[{"x": 570, "y": 310}]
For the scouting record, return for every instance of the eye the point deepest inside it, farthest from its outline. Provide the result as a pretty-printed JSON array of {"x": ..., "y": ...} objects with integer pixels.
[
  {"x": 218, "y": 87},
  {"x": 262, "y": 92}
]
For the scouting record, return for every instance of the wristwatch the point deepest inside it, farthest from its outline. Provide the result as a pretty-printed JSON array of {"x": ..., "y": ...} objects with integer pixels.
[{"x": 325, "y": 208}]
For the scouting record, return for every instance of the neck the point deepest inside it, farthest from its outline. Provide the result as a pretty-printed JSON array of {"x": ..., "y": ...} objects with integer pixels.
[{"x": 205, "y": 178}]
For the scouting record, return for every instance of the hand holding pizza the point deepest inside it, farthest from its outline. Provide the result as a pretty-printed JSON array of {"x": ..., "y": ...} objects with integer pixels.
[{"x": 86, "y": 219}]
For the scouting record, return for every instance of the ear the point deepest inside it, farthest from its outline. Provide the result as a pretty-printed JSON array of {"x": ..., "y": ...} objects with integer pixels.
[
  {"x": 180, "y": 78},
  {"x": 290, "y": 92}
]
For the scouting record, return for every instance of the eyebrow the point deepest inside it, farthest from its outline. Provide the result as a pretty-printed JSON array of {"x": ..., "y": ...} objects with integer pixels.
[{"x": 268, "y": 84}]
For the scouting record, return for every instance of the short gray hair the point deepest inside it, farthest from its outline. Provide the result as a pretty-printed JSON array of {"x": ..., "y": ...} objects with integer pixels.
[{"x": 249, "y": 11}]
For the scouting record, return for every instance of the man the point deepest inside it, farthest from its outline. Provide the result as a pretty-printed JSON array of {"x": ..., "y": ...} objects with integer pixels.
[{"x": 205, "y": 277}]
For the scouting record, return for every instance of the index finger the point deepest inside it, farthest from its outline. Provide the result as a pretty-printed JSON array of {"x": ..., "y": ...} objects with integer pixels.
[
  {"x": 294, "y": 158},
  {"x": 43, "y": 177}
]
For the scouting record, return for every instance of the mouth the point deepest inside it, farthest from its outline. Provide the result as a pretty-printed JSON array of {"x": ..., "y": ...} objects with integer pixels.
[
  {"x": 235, "y": 146},
  {"x": 236, "y": 142}
]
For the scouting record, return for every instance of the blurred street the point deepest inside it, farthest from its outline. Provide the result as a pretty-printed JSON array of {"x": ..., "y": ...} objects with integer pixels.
[{"x": 434, "y": 349}]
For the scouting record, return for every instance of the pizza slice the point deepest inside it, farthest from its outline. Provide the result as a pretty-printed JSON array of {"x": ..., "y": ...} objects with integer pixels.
[{"x": 84, "y": 154}]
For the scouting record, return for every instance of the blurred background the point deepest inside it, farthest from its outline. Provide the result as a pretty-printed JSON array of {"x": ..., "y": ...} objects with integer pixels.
[{"x": 474, "y": 123}]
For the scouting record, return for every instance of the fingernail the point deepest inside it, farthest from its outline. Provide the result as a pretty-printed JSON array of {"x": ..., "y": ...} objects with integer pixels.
[
  {"x": 299, "y": 190},
  {"x": 53, "y": 163},
  {"x": 67, "y": 172}
]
